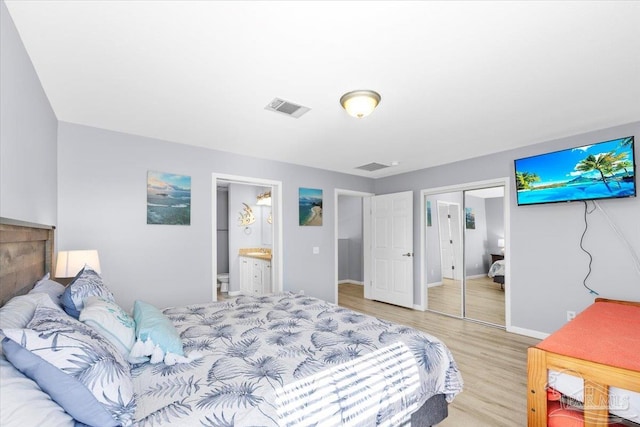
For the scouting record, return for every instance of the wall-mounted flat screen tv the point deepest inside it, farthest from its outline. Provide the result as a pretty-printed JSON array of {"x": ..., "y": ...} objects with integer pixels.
[{"x": 598, "y": 171}]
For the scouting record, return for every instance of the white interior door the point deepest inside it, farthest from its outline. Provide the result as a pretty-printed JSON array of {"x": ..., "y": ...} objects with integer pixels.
[{"x": 392, "y": 248}]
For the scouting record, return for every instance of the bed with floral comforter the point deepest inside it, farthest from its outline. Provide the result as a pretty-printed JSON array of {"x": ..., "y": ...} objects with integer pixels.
[{"x": 289, "y": 359}]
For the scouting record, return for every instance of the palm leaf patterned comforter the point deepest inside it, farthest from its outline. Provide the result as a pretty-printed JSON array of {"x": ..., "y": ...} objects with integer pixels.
[{"x": 256, "y": 347}]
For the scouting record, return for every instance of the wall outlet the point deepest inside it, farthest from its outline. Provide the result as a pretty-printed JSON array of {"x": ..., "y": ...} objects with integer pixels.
[
  {"x": 571, "y": 315},
  {"x": 316, "y": 250}
]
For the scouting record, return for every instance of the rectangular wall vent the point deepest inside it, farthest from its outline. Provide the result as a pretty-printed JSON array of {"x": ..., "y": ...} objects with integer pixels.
[
  {"x": 285, "y": 107},
  {"x": 372, "y": 167}
]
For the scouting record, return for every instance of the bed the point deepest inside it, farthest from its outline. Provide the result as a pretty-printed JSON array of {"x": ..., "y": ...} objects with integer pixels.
[
  {"x": 281, "y": 359},
  {"x": 589, "y": 369},
  {"x": 496, "y": 272}
]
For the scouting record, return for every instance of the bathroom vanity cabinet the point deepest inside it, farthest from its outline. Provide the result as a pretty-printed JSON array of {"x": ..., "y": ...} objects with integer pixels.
[{"x": 255, "y": 276}]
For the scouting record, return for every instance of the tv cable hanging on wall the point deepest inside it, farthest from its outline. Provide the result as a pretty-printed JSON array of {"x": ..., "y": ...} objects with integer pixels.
[{"x": 630, "y": 249}]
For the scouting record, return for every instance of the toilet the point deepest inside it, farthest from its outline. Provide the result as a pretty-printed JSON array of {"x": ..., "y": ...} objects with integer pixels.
[{"x": 223, "y": 282}]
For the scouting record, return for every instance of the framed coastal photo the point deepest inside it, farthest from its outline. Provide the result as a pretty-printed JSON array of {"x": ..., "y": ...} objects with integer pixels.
[
  {"x": 168, "y": 198},
  {"x": 428, "y": 213},
  {"x": 470, "y": 218},
  {"x": 310, "y": 206}
]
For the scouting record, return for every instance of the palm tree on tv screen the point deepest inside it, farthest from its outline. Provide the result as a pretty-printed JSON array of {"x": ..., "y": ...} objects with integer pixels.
[
  {"x": 623, "y": 165},
  {"x": 626, "y": 142},
  {"x": 525, "y": 179},
  {"x": 604, "y": 163}
]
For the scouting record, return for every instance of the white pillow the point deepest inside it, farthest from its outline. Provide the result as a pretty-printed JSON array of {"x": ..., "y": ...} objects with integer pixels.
[
  {"x": 110, "y": 321},
  {"x": 18, "y": 311},
  {"x": 50, "y": 287},
  {"x": 23, "y": 403}
]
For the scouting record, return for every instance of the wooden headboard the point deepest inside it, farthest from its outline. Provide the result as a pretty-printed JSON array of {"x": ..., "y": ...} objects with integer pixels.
[{"x": 26, "y": 254}]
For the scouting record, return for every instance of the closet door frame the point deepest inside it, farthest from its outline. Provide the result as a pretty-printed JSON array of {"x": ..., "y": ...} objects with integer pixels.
[{"x": 504, "y": 181}]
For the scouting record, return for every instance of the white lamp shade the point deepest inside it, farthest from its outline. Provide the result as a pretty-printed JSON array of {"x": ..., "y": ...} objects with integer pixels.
[
  {"x": 360, "y": 103},
  {"x": 69, "y": 263}
]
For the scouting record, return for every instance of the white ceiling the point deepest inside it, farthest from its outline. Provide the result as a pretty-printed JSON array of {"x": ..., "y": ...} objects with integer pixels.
[{"x": 457, "y": 79}]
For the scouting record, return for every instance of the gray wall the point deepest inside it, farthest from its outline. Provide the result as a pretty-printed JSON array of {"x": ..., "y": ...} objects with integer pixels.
[
  {"x": 475, "y": 240},
  {"x": 222, "y": 231},
  {"x": 102, "y": 205},
  {"x": 28, "y": 127},
  {"x": 494, "y": 208},
  {"x": 350, "y": 228},
  {"x": 547, "y": 265}
]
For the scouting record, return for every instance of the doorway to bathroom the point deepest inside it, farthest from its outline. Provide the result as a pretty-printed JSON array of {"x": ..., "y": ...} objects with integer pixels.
[{"x": 246, "y": 214}]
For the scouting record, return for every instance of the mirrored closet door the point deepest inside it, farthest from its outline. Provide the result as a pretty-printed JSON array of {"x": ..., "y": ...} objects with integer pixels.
[
  {"x": 444, "y": 252},
  {"x": 464, "y": 238}
]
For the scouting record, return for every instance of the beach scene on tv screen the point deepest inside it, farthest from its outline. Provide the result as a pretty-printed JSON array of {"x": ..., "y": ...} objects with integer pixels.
[{"x": 598, "y": 171}]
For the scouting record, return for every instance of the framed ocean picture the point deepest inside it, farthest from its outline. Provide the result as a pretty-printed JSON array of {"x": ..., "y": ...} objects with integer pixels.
[
  {"x": 168, "y": 198},
  {"x": 310, "y": 206},
  {"x": 470, "y": 218}
]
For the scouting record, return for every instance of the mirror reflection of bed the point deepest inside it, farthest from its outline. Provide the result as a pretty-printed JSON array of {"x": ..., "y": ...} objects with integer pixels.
[{"x": 464, "y": 240}]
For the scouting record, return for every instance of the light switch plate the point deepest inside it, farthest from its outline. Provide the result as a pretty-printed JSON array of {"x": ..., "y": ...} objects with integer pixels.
[{"x": 316, "y": 250}]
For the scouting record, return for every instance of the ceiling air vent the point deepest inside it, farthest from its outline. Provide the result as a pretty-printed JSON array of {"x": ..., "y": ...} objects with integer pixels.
[
  {"x": 372, "y": 167},
  {"x": 286, "y": 107}
]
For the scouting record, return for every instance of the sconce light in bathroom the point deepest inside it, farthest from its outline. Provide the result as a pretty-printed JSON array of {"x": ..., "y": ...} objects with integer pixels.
[{"x": 264, "y": 199}]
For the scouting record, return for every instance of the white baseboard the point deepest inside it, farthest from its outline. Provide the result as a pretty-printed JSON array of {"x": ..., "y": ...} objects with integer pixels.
[
  {"x": 477, "y": 276},
  {"x": 234, "y": 293},
  {"x": 527, "y": 332},
  {"x": 434, "y": 284},
  {"x": 352, "y": 282}
]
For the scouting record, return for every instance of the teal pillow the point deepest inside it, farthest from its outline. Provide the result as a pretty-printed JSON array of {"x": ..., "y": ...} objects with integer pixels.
[{"x": 155, "y": 334}]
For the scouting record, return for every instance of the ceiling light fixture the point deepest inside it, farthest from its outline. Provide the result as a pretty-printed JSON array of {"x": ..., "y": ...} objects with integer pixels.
[{"x": 360, "y": 103}]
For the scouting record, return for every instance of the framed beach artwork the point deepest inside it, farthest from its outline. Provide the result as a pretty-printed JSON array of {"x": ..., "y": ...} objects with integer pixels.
[
  {"x": 168, "y": 198},
  {"x": 310, "y": 206},
  {"x": 470, "y": 218},
  {"x": 428, "y": 213}
]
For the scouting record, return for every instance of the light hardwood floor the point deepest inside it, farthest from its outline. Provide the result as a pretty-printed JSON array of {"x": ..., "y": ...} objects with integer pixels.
[
  {"x": 484, "y": 299},
  {"x": 493, "y": 362}
]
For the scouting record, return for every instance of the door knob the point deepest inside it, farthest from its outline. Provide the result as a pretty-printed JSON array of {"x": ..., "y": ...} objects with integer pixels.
[{"x": 407, "y": 254}]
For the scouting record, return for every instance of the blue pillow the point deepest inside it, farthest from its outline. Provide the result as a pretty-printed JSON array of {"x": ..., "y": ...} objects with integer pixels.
[
  {"x": 72, "y": 363},
  {"x": 155, "y": 333},
  {"x": 86, "y": 283}
]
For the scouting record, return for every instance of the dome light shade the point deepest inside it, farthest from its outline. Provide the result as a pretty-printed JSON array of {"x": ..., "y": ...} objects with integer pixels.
[{"x": 360, "y": 103}]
